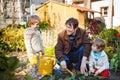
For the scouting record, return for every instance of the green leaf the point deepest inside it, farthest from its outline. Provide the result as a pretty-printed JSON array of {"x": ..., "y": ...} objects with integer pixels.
[
  {"x": 27, "y": 78},
  {"x": 20, "y": 64}
]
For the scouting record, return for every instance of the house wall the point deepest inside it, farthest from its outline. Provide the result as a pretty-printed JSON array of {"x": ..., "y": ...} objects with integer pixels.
[
  {"x": 60, "y": 13},
  {"x": 116, "y": 17},
  {"x": 96, "y": 6},
  {"x": 56, "y": 14}
]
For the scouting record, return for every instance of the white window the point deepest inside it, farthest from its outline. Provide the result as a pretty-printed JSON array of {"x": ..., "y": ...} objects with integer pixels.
[{"x": 104, "y": 11}]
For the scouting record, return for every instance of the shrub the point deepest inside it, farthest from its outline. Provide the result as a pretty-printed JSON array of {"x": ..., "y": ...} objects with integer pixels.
[
  {"x": 8, "y": 66},
  {"x": 49, "y": 51},
  {"x": 118, "y": 28},
  {"x": 43, "y": 25},
  {"x": 108, "y": 34},
  {"x": 115, "y": 61},
  {"x": 13, "y": 37},
  {"x": 109, "y": 50},
  {"x": 95, "y": 27}
]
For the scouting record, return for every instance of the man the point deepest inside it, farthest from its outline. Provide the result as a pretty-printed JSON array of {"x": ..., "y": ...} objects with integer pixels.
[{"x": 73, "y": 46}]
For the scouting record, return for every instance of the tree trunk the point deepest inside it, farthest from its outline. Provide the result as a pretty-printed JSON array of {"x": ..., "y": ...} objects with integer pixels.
[
  {"x": 24, "y": 6},
  {"x": 20, "y": 10},
  {"x": 31, "y": 9},
  {"x": 13, "y": 12},
  {"x": 4, "y": 10},
  {"x": 1, "y": 7}
]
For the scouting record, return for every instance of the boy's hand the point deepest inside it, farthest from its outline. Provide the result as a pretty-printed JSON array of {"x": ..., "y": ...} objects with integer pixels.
[
  {"x": 41, "y": 54},
  {"x": 91, "y": 71},
  {"x": 96, "y": 73}
]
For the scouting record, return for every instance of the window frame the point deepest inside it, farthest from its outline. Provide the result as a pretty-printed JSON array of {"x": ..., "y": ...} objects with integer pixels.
[
  {"x": 103, "y": 7},
  {"x": 107, "y": 11}
]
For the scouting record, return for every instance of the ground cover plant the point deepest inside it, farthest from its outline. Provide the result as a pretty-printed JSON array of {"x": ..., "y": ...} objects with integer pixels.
[{"x": 12, "y": 43}]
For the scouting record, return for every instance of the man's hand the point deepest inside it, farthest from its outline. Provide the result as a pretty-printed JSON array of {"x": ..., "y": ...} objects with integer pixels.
[
  {"x": 96, "y": 73},
  {"x": 63, "y": 64},
  {"x": 83, "y": 65}
]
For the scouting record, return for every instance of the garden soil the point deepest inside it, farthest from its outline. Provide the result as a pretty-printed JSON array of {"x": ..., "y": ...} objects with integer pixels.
[{"x": 23, "y": 71}]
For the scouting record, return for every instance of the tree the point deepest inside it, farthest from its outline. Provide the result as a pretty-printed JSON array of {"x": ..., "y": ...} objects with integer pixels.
[
  {"x": 4, "y": 10},
  {"x": 13, "y": 12}
]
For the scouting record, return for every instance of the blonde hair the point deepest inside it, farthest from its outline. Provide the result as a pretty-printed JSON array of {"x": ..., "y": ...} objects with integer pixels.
[
  {"x": 100, "y": 43},
  {"x": 33, "y": 19}
]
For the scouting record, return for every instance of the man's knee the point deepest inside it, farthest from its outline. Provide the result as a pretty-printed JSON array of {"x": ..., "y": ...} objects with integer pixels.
[
  {"x": 80, "y": 51},
  {"x": 81, "y": 48}
]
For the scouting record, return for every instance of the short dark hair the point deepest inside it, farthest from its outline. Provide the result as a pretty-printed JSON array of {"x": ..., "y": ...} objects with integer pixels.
[{"x": 72, "y": 21}]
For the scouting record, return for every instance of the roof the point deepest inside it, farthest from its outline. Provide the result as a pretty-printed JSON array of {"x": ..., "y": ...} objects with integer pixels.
[
  {"x": 59, "y": 3},
  {"x": 82, "y": 1},
  {"x": 70, "y": 5},
  {"x": 83, "y": 8}
]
